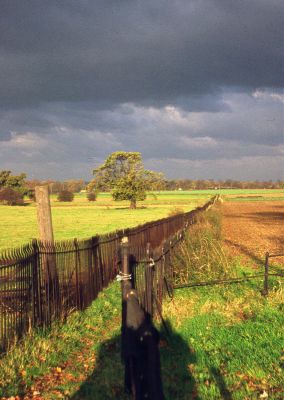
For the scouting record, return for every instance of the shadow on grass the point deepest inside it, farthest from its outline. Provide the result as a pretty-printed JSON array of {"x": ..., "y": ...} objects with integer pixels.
[
  {"x": 107, "y": 379},
  {"x": 244, "y": 250},
  {"x": 218, "y": 378}
]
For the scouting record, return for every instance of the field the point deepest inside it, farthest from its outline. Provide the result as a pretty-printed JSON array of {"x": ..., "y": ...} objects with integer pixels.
[
  {"x": 253, "y": 228},
  {"x": 83, "y": 219},
  {"x": 225, "y": 342}
]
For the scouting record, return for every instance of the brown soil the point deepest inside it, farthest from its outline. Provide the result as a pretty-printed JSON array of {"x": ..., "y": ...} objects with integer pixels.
[{"x": 251, "y": 229}]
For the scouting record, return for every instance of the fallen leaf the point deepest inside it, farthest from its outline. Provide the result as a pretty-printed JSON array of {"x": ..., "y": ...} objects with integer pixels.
[{"x": 263, "y": 395}]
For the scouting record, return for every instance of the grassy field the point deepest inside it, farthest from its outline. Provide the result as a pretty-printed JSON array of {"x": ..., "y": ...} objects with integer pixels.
[
  {"x": 224, "y": 342},
  {"x": 83, "y": 219}
]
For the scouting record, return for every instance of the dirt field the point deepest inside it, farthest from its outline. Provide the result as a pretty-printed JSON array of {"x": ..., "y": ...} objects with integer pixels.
[{"x": 252, "y": 228}]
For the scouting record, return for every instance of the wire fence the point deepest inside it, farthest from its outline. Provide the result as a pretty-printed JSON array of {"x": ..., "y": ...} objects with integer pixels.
[
  {"x": 145, "y": 279},
  {"x": 41, "y": 282}
]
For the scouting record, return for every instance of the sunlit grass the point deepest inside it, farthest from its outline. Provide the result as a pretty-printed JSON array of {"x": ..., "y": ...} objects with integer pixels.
[
  {"x": 82, "y": 218},
  {"x": 225, "y": 342}
]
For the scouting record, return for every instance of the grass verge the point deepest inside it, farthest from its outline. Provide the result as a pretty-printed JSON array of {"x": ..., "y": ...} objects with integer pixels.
[
  {"x": 227, "y": 344},
  {"x": 57, "y": 363},
  {"x": 227, "y": 341}
]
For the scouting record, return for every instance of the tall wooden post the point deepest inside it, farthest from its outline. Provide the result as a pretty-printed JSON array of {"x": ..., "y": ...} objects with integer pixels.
[
  {"x": 48, "y": 256},
  {"x": 126, "y": 286},
  {"x": 44, "y": 213}
]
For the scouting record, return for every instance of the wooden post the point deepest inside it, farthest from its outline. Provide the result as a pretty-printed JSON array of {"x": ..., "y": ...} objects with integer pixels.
[
  {"x": 265, "y": 283},
  {"x": 149, "y": 282},
  {"x": 126, "y": 286},
  {"x": 48, "y": 256},
  {"x": 44, "y": 213}
]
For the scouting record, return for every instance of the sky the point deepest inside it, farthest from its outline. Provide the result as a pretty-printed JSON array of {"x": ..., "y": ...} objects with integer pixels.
[{"x": 196, "y": 86}]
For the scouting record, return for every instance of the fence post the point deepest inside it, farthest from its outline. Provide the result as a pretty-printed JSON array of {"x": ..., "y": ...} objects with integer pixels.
[
  {"x": 77, "y": 266},
  {"x": 49, "y": 259},
  {"x": 36, "y": 292},
  {"x": 149, "y": 281},
  {"x": 126, "y": 286},
  {"x": 266, "y": 268}
]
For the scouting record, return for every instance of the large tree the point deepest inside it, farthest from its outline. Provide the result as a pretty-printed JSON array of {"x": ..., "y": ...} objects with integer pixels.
[{"x": 124, "y": 174}]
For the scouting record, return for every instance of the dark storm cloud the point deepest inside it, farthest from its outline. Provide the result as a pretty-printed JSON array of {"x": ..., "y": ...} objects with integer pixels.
[
  {"x": 194, "y": 85},
  {"x": 151, "y": 52}
]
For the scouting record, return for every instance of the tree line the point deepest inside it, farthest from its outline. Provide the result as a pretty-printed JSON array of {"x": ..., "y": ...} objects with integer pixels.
[
  {"x": 202, "y": 184},
  {"x": 124, "y": 175}
]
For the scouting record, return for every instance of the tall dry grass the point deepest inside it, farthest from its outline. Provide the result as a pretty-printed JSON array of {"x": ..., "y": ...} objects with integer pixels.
[{"x": 201, "y": 256}]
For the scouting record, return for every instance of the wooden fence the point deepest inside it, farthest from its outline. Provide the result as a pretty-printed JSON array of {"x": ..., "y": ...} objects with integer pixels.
[{"x": 42, "y": 282}]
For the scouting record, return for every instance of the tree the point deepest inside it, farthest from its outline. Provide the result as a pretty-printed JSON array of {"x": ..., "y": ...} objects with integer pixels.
[
  {"x": 124, "y": 174},
  {"x": 15, "y": 182},
  {"x": 156, "y": 181}
]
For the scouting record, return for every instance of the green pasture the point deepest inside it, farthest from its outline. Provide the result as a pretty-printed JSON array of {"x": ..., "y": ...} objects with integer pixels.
[{"x": 83, "y": 219}]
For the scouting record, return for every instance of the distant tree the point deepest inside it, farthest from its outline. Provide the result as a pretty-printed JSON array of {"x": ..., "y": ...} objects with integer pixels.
[
  {"x": 92, "y": 195},
  {"x": 124, "y": 174},
  {"x": 15, "y": 182},
  {"x": 155, "y": 180},
  {"x": 74, "y": 185},
  {"x": 31, "y": 184},
  {"x": 11, "y": 197},
  {"x": 55, "y": 186},
  {"x": 65, "y": 195}
]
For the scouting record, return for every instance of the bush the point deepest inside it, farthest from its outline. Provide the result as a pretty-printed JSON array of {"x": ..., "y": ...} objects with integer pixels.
[
  {"x": 65, "y": 195},
  {"x": 11, "y": 197},
  {"x": 92, "y": 196}
]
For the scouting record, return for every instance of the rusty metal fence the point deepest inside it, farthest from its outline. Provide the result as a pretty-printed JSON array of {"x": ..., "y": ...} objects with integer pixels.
[
  {"x": 145, "y": 274},
  {"x": 43, "y": 282}
]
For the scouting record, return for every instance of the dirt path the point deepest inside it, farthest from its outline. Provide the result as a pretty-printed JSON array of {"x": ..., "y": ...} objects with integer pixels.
[{"x": 252, "y": 228}]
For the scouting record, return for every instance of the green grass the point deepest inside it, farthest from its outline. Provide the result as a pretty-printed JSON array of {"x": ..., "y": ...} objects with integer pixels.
[
  {"x": 228, "y": 343},
  {"x": 225, "y": 342},
  {"x": 57, "y": 362},
  {"x": 83, "y": 219},
  {"x": 228, "y": 340}
]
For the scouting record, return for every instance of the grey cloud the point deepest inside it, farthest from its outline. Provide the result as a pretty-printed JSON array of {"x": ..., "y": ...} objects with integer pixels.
[
  {"x": 174, "y": 80},
  {"x": 77, "y": 137},
  {"x": 150, "y": 51},
  {"x": 254, "y": 167}
]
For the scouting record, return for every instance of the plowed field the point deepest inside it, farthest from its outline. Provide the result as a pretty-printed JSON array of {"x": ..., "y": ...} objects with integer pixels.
[{"x": 252, "y": 228}]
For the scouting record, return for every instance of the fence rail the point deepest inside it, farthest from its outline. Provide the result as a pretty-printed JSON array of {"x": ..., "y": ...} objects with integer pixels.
[{"x": 41, "y": 281}]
